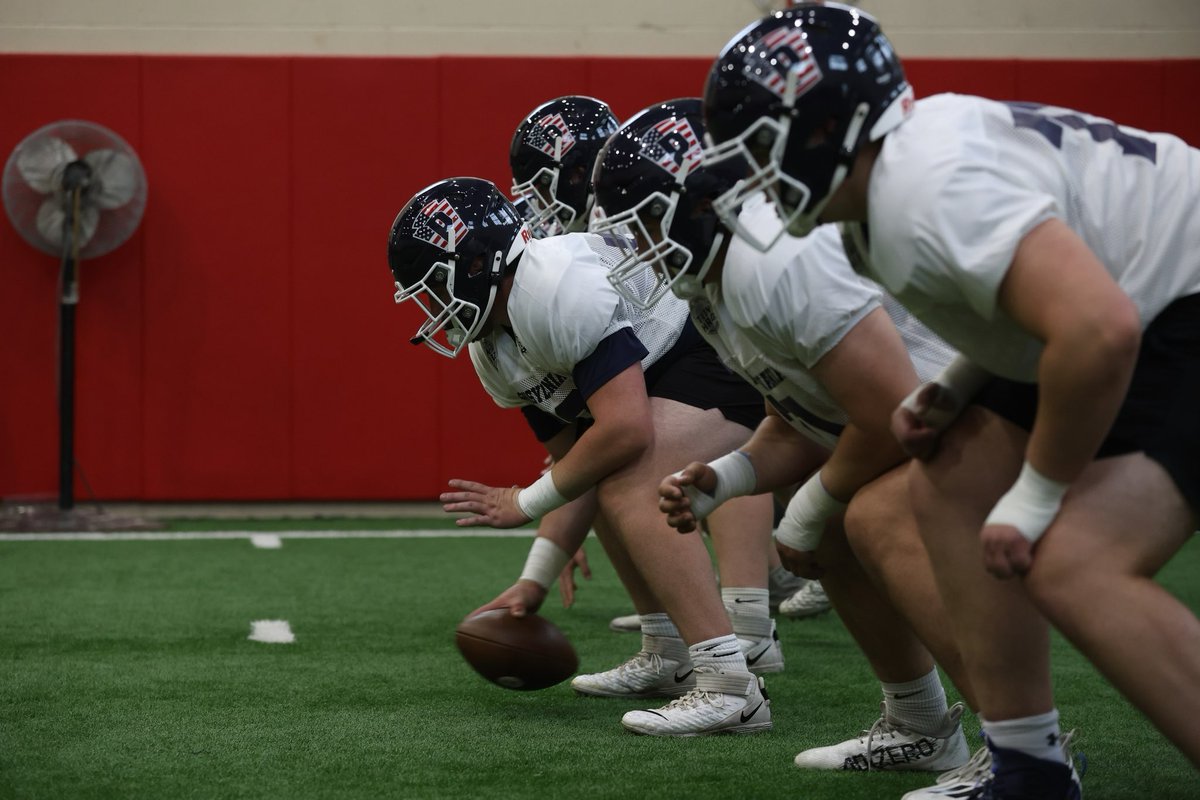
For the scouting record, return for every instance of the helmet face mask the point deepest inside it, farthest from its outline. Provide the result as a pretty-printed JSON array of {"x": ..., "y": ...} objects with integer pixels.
[
  {"x": 449, "y": 250},
  {"x": 546, "y": 211},
  {"x": 761, "y": 145},
  {"x": 551, "y": 157},
  {"x": 650, "y": 181},
  {"x": 800, "y": 93},
  {"x": 650, "y": 222},
  {"x": 451, "y": 322}
]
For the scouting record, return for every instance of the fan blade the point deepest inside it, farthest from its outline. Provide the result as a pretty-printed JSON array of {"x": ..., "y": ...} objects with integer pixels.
[
  {"x": 114, "y": 178},
  {"x": 41, "y": 162},
  {"x": 50, "y": 218}
]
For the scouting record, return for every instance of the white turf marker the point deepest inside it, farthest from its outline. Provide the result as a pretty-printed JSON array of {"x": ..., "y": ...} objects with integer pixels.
[
  {"x": 271, "y": 631},
  {"x": 266, "y": 541}
]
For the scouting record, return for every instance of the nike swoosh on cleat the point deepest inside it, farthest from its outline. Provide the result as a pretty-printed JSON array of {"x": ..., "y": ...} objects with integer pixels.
[
  {"x": 746, "y": 716},
  {"x": 681, "y": 678}
]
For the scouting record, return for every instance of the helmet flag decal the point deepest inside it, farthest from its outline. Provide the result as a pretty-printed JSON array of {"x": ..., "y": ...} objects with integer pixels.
[
  {"x": 789, "y": 52},
  {"x": 551, "y": 132},
  {"x": 674, "y": 146},
  {"x": 438, "y": 223}
]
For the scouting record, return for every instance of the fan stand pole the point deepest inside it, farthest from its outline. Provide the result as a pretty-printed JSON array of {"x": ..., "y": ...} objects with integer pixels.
[{"x": 66, "y": 381}]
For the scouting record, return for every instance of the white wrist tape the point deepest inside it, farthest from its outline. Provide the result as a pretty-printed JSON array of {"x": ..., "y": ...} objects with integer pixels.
[
  {"x": 959, "y": 381},
  {"x": 540, "y": 497},
  {"x": 803, "y": 524},
  {"x": 735, "y": 477},
  {"x": 1030, "y": 505},
  {"x": 546, "y": 560}
]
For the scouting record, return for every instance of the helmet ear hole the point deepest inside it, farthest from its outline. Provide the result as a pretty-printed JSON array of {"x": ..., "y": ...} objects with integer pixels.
[{"x": 657, "y": 210}]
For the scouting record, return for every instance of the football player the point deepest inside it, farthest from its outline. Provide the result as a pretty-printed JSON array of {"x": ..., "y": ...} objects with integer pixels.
[
  {"x": 833, "y": 356},
  {"x": 617, "y": 393},
  {"x": 1057, "y": 252},
  {"x": 551, "y": 156}
]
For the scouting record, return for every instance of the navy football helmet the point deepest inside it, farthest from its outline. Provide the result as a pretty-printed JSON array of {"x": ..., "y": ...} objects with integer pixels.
[
  {"x": 551, "y": 157},
  {"x": 449, "y": 249},
  {"x": 799, "y": 93},
  {"x": 649, "y": 180}
]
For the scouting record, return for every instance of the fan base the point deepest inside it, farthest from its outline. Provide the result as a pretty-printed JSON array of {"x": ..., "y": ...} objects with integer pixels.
[{"x": 42, "y": 515}]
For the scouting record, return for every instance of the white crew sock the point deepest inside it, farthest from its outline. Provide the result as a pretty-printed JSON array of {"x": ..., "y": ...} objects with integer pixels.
[
  {"x": 918, "y": 705},
  {"x": 720, "y": 654},
  {"x": 658, "y": 625},
  {"x": 1037, "y": 736},
  {"x": 745, "y": 600}
]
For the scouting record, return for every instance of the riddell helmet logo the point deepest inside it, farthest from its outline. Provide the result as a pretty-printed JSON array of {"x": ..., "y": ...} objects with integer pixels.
[
  {"x": 550, "y": 133},
  {"x": 437, "y": 222},
  {"x": 672, "y": 145},
  {"x": 785, "y": 51}
]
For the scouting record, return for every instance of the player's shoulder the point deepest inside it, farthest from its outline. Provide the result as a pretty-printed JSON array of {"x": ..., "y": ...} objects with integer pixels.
[
  {"x": 561, "y": 292},
  {"x": 560, "y": 270},
  {"x": 792, "y": 274},
  {"x": 945, "y": 133}
]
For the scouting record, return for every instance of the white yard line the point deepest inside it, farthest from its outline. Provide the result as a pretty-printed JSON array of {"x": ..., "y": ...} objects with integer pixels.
[
  {"x": 271, "y": 631},
  {"x": 165, "y": 536},
  {"x": 266, "y": 541}
]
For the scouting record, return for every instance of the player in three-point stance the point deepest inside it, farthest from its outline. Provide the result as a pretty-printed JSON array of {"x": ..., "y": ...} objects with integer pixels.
[
  {"x": 547, "y": 332},
  {"x": 832, "y": 355},
  {"x": 1057, "y": 252}
]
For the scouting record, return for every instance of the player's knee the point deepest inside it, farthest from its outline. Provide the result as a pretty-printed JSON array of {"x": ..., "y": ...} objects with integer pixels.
[{"x": 870, "y": 523}]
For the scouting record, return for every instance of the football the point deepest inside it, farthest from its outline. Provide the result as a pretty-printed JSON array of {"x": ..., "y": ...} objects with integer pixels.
[{"x": 523, "y": 653}]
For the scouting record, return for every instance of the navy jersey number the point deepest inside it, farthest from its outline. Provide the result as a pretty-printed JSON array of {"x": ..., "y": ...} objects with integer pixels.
[{"x": 1050, "y": 125}]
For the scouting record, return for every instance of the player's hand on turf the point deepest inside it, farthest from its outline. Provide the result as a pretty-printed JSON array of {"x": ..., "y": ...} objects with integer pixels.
[
  {"x": 566, "y": 579},
  {"x": 684, "y": 508},
  {"x": 800, "y": 562},
  {"x": 488, "y": 505},
  {"x": 523, "y": 597},
  {"x": 918, "y": 422},
  {"x": 1006, "y": 553}
]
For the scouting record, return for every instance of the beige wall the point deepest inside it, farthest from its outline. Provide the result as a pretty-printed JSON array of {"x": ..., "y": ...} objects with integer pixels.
[{"x": 962, "y": 28}]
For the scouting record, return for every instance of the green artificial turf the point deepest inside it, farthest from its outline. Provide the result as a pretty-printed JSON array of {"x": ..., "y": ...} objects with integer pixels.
[{"x": 126, "y": 672}]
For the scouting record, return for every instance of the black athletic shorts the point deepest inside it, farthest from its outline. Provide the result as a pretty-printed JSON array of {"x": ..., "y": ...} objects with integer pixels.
[
  {"x": 690, "y": 373},
  {"x": 1161, "y": 412}
]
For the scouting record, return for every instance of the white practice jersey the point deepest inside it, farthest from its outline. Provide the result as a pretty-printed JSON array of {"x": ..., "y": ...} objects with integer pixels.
[
  {"x": 958, "y": 186},
  {"x": 561, "y": 308},
  {"x": 776, "y": 314}
]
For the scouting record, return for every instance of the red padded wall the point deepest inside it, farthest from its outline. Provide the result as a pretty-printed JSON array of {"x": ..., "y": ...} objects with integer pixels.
[
  {"x": 217, "y": 134},
  {"x": 363, "y": 399},
  {"x": 244, "y": 344}
]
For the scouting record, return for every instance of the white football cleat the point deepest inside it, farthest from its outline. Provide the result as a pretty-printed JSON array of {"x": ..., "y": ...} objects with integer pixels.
[
  {"x": 630, "y": 623},
  {"x": 969, "y": 781},
  {"x": 808, "y": 602},
  {"x": 662, "y": 668},
  {"x": 890, "y": 746},
  {"x": 722, "y": 702},
  {"x": 758, "y": 641},
  {"x": 781, "y": 585}
]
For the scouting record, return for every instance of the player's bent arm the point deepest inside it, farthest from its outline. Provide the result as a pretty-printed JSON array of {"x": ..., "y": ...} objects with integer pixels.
[
  {"x": 560, "y": 533},
  {"x": 868, "y": 373},
  {"x": 623, "y": 430},
  {"x": 1059, "y": 291},
  {"x": 782, "y": 456}
]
